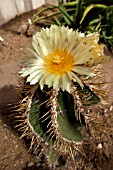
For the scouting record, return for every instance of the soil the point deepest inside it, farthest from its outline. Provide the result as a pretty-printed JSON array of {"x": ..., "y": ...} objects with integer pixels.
[{"x": 14, "y": 152}]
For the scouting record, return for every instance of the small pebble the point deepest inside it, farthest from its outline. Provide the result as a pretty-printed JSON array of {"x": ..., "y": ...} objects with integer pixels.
[
  {"x": 99, "y": 146},
  {"x": 38, "y": 164},
  {"x": 29, "y": 21},
  {"x": 30, "y": 164},
  {"x": 1, "y": 39},
  {"x": 23, "y": 28}
]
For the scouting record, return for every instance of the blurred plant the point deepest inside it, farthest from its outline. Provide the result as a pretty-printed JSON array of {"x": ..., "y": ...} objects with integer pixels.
[
  {"x": 85, "y": 15},
  {"x": 60, "y": 91}
]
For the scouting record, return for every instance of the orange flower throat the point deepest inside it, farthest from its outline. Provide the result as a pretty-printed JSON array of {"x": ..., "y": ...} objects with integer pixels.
[{"x": 58, "y": 62}]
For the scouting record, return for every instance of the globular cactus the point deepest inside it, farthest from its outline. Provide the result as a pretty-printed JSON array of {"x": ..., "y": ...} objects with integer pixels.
[{"x": 60, "y": 92}]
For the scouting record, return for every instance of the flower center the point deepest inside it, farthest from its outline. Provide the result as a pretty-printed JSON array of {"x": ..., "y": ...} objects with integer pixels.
[{"x": 58, "y": 62}]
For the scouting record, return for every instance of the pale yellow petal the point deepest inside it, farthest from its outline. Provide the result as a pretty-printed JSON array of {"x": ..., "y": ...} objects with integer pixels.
[
  {"x": 32, "y": 52},
  {"x": 56, "y": 83},
  {"x": 29, "y": 70},
  {"x": 75, "y": 78},
  {"x": 42, "y": 80},
  {"x": 83, "y": 71},
  {"x": 65, "y": 83},
  {"x": 49, "y": 80},
  {"x": 35, "y": 76},
  {"x": 37, "y": 47}
]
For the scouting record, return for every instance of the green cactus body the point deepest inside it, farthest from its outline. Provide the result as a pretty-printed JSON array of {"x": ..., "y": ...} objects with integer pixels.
[
  {"x": 51, "y": 122},
  {"x": 55, "y": 120}
]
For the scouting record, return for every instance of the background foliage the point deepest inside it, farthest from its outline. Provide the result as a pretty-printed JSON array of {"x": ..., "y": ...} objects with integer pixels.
[{"x": 85, "y": 15}]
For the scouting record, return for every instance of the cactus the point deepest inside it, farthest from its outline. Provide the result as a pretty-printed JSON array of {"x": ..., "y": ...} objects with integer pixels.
[{"x": 54, "y": 114}]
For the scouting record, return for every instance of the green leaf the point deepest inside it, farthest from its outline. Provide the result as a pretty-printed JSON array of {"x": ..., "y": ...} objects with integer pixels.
[
  {"x": 60, "y": 2},
  {"x": 57, "y": 21},
  {"x": 89, "y": 8},
  {"x": 65, "y": 15},
  {"x": 78, "y": 13},
  {"x": 43, "y": 10}
]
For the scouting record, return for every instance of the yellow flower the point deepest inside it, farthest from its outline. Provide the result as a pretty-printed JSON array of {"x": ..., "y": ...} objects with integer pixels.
[{"x": 61, "y": 55}]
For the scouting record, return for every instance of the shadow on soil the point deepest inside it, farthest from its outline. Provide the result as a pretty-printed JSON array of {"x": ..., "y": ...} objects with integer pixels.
[{"x": 9, "y": 95}]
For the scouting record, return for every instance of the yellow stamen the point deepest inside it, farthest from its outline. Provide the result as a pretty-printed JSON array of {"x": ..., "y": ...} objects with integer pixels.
[{"x": 58, "y": 62}]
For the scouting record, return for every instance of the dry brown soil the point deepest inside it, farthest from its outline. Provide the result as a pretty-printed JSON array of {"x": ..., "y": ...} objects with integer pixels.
[{"x": 14, "y": 152}]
